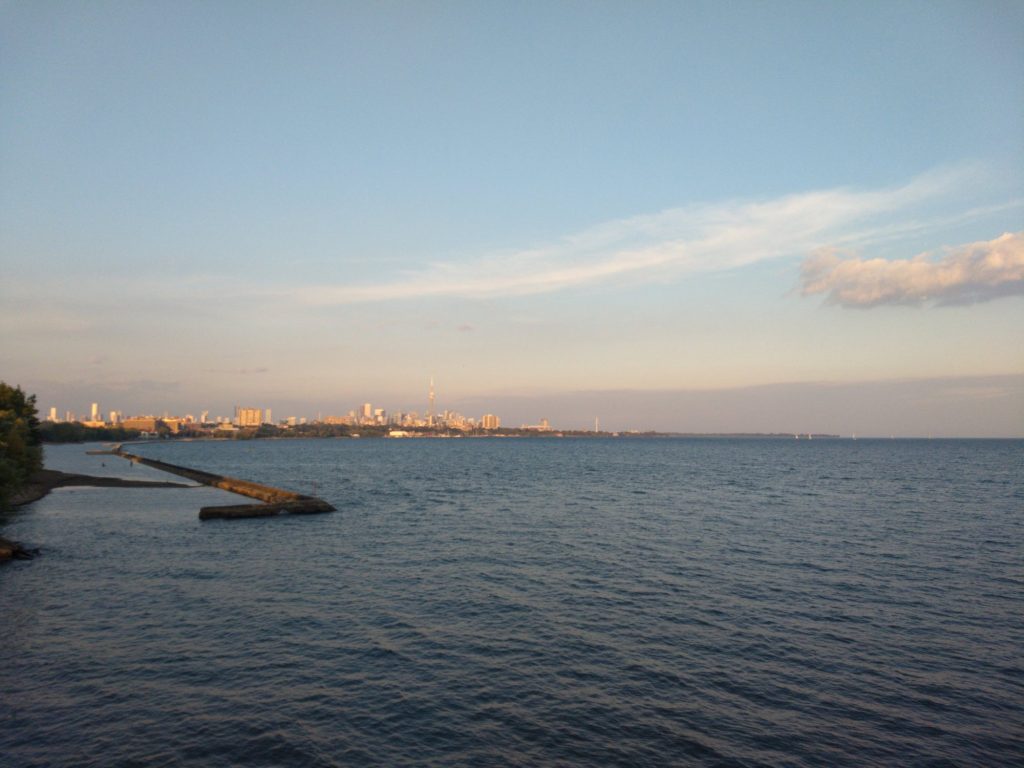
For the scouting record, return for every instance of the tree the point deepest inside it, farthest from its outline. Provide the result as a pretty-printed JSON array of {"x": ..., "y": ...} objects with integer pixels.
[
  {"x": 20, "y": 451},
  {"x": 76, "y": 432}
]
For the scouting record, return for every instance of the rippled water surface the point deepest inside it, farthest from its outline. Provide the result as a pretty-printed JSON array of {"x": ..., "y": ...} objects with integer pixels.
[{"x": 517, "y": 602}]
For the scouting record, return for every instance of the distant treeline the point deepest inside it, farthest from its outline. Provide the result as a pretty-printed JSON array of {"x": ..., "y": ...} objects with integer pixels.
[{"x": 74, "y": 432}]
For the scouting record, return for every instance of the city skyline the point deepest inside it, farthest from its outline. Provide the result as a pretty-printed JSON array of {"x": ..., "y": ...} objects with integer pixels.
[
  {"x": 245, "y": 416},
  {"x": 853, "y": 409},
  {"x": 694, "y": 217}
]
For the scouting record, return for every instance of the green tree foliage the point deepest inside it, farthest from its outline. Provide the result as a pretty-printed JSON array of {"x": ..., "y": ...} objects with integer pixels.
[
  {"x": 76, "y": 432},
  {"x": 20, "y": 451}
]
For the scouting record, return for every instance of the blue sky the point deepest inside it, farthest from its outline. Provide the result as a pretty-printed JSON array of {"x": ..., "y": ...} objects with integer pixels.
[{"x": 308, "y": 205}]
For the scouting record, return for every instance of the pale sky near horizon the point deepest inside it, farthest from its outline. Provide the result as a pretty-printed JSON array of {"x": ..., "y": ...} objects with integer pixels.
[{"x": 309, "y": 205}]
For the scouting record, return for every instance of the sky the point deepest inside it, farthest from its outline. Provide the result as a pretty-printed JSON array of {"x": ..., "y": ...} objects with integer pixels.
[{"x": 740, "y": 216}]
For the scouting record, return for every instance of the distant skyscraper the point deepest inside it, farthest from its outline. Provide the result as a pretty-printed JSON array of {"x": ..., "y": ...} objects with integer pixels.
[
  {"x": 268, "y": 418},
  {"x": 53, "y": 413},
  {"x": 115, "y": 417},
  {"x": 204, "y": 417},
  {"x": 367, "y": 412},
  {"x": 490, "y": 421},
  {"x": 95, "y": 413},
  {"x": 248, "y": 417},
  {"x": 430, "y": 404}
]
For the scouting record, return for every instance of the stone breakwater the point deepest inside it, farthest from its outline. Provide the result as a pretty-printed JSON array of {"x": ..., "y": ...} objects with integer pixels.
[{"x": 275, "y": 501}]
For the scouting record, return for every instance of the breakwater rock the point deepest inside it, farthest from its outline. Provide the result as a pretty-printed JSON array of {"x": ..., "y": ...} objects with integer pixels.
[
  {"x": 276, "y": 501},
  {"x": 12, "y": 550},
  {"x": 305, "y": 506}
]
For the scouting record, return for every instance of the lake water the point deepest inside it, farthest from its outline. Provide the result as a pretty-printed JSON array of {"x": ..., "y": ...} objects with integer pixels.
[{"x": 527, "y": 602}]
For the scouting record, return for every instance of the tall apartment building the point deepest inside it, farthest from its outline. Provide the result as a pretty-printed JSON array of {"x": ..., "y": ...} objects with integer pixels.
[
  {"x": 490, "y": 421},
  {"x": 248, "y": 417}
]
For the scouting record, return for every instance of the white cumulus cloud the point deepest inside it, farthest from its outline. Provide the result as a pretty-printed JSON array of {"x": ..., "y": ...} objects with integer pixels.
[
  {"x": 967, "y": 274},
  {"x": 671, "y": 243}
]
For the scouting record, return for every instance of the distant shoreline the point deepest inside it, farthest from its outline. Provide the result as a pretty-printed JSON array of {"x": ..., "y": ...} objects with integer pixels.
[{"x": 376, "y": 432}]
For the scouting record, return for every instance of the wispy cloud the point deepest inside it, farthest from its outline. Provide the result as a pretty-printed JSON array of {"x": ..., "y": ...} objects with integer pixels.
[
  {"x": 136, "y": 386},
  {"x": 237, "y": 371},
  {"x": 967, "y": 274},
  {"x": 671, "y": 243}
]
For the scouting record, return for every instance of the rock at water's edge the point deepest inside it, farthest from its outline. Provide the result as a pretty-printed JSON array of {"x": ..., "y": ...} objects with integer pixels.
[{"x": 12, "y": 550}]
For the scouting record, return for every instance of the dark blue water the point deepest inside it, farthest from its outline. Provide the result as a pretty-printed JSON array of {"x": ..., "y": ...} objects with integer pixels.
[{"x": 528, "y": 602}]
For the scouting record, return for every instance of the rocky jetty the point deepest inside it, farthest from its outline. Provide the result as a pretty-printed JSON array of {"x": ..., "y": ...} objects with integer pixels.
[{"x": 276, "y": 501}]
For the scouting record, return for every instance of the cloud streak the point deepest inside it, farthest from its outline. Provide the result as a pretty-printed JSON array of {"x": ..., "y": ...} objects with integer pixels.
[
  {"x": 237, "y": 371},
  {"x": 671, "y": 243},
  {"x": 968, "y": 274}
]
